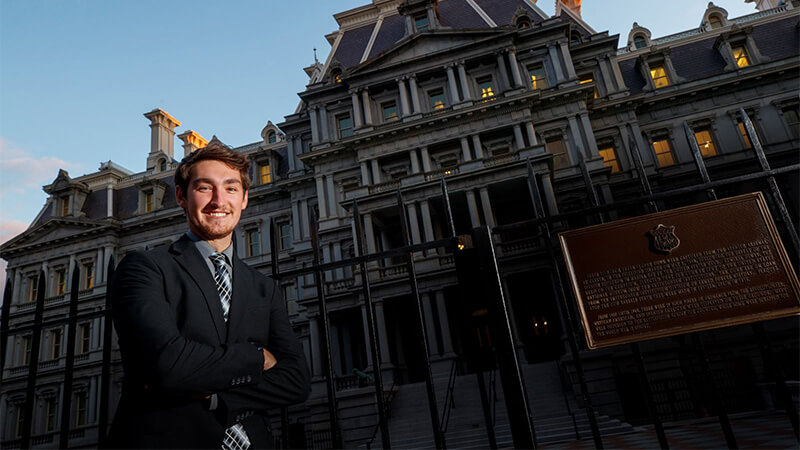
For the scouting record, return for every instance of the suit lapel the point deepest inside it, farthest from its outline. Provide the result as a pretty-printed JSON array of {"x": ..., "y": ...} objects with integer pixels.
[
  {"x": 242, "y": 293},
  {"x": 189, "y": 258}
]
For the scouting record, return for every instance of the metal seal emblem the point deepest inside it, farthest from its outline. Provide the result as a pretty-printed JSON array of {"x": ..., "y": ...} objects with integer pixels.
[{"x": 663, "y": 239}]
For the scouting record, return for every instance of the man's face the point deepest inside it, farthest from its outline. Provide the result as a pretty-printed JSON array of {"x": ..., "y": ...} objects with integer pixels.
[{"x": 213, "y": 202}]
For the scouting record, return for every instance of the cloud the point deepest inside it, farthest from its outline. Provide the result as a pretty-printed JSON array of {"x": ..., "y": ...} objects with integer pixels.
[
  {"x": 22, "y": 171},
  {"x": 8, "y": 229}
]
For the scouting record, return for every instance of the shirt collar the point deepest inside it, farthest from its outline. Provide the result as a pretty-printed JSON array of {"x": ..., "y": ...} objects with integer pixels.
[{"x": 206, "y": 250}]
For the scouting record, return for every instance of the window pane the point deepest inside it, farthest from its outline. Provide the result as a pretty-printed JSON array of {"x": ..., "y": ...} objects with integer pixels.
[
  {"x": 390, "y": 111},
  {"x": 421, "y": 23},
  {"x": 345, "y": 126},
  {"x": 740, "y": 54},
  {"x": 437, "y": 99},
  {"x": 556, "y": 148},
  {"x": 538, "y": 78},
  {"x": 64, "y": 206},
  {"x": 745, "y": 138},
  {"x": 253, "y": 243},
  {"x": 265, "y": 173},
  {"x": 485, "y": 87},
  {"x": 663, "y": 153},
  {"x": 61, "y": 281},
  {"x": 639, "y": 42},
  {"x": 272, "y": 138},
  {"x": 659, "y": 76},
  {"x": 715, "y": 22},
  {"x": 88, "y": 269},
  {"x": 792, "y": 119},
  {"x": 610, "y": 159},
  {"x": 705, "y": 143},
  {"x": 148, "y": 201},
  {"x": 285, "y": 236}
]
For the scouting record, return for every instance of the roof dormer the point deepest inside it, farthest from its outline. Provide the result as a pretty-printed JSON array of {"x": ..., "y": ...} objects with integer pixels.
[
  {"x": 714, "y": 18},
  {"x": 421, "y": 15},
  {"x": 638, "y": 37},
  {"x": 67, "y": 195}
]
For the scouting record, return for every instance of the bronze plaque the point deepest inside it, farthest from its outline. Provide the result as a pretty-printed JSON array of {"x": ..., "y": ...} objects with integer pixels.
[{"x": 700, "y": 267}]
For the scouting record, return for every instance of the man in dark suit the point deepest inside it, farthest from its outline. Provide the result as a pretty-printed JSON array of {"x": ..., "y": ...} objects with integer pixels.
[{"x": 206, "y": 344}]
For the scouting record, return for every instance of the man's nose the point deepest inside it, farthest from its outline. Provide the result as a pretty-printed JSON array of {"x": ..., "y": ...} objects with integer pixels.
[{"x": 216, "y": 196}]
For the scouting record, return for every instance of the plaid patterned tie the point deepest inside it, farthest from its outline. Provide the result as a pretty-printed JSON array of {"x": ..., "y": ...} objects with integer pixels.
[{"x": 235, "y": 437}]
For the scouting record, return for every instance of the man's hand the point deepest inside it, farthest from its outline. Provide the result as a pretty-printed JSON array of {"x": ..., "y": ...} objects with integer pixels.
[{"x": 269, "y": 360}]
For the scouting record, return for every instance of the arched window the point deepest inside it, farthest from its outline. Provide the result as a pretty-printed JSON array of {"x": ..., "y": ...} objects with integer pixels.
[
  {"x": 715, "y": 22},
  {"x": 575, "y": 38},
  {"x": 336, "y": 75},
  {"x": 272, "y": 137},
  {"x": 639, "y": 42},
  {"x": 523, "y": 22}
]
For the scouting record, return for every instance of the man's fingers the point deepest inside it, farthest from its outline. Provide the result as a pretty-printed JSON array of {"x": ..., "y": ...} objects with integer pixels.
[{"x": 269, "y": 359}]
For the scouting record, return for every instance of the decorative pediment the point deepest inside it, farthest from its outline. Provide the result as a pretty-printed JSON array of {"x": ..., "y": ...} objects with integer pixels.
[
  {"x": 427, "y": 45},
  {"x": 63, "y": 182},
  {"x": 51, "y": 232}
]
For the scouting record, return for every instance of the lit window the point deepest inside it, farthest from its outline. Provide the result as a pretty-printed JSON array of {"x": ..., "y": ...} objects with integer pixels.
[
  {"x": 486, "y": 87},
  {"x": 715, "y": 22},
  {"x": 65, "y": 205},
  {"x": 588, "y": 78},
  {"x": 523, "y": 22},
  {"x": 421, "y": 22},
  {"x": 149, "y": 203},
  {"x": 745, "y": 137},
  {"x": 51, "y": 408},
  {"x": 639, "y": 42},
  {"x": 33, "y": 288},
  {"x": 272, "y": 137},
  {"x": 556, "y": 147},
  {"x": 337, "y": 75},
  {"x": 663, "y": 152},
  {"x": 253, "y": 242},
  {"x": 26, "y": 350},
  {"x": 437, "y": 99},
  {"x": 264, "y": 173},
  {"x": 390, "y": 111},
  {"x": 79, "y": 411},
  {"x": 740, "y": 55},
  {"x": 538, "y": 77},
  {"x": 659, "y": 76},
  {"x": 705, "y": 142},
  {"x": 345, "y": 125},
  {"x": 609, "y": 155},
  {"x": 88, "y": 280},
  {"x": 55, "y": 343},
  {"x": 61, "y": 281},
  {"x": 792, "y": 118},
  {"x": 285, "y": 235},
  {"x": 85, "y": 336}
]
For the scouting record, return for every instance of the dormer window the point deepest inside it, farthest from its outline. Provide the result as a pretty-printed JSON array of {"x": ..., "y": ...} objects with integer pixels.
[
  {"x": 162, "y": 165},
  {"x": 659, "y": 75},
  {"x": 639, "y": 42},
  {"x": 336, "y": 75},
  {"x": 740, "y": 55},
  {"x": 421, "y": 23},
  {"x": 575, "y": 38},
  {"x": 64, "y": 205},
  {"x": 149, "y": 201},
  {"x": 264, "y": 173},
  {"x": 523, "y": 22},
  {"x": 715, "y": 22},
  {"x": 272, "y": 137}
]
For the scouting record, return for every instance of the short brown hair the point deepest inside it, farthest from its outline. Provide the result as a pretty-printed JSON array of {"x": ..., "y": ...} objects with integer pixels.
[{"x": 215, "y": 151}]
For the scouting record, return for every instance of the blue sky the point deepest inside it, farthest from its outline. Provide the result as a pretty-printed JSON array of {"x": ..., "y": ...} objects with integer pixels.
[{"x": 76, "y": 75}]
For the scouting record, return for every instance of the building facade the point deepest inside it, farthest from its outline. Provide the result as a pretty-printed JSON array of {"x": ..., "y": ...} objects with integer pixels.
[{"x": 413, "y": 92}]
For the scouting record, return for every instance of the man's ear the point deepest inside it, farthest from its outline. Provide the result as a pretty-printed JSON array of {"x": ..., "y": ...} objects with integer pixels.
[
  {"x": 179, "y": 197},
  {"x": 244, "y": 201}
]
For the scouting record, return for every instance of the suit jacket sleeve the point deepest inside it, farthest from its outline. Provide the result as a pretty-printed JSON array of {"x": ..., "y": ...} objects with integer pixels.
[
  {"x": 155, "y": 352},
  {"x": 288, "y": 382}
]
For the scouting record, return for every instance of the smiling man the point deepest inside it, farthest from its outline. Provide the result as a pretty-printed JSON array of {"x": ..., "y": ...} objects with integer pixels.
[{"x": 206, "y": 345}]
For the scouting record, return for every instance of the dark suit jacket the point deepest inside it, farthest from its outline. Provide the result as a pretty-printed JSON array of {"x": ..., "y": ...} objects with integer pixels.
[{"x": 177, "y": 349}]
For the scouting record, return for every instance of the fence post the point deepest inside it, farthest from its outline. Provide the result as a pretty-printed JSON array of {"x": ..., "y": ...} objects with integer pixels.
[
  {"x": 33, "y": 364},
  {"x": 105, "y": 378}
]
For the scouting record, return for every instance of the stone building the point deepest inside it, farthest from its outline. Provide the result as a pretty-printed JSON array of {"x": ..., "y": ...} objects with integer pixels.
[{"x": 415, "y": 91}]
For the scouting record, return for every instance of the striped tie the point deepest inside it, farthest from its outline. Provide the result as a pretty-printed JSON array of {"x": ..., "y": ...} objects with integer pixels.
[{"x": 235, "y": 437}]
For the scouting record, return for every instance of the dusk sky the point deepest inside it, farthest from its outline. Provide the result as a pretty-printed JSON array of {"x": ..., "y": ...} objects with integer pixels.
[{"x": 76, "y": 75}]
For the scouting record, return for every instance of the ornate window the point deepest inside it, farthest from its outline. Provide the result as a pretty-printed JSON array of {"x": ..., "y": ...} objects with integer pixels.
[
  {"x": 33, "y": 288},
  {"x": 336, "y": 75},
  {"x": 705, "y": 141},
  {"x": 390, "y": 111},
  {"x": 61, "y": 282},
  {"x": 79, "y": 409},
  {"x": 51, "y": 410},
  {"x": 344, "y": 125},
  {"x": 556, "y": 147},
  {"x": 285, "y": 236},
  {"x": 149, "y": 201},
  {"x": 740, "y": 55},
  {"x": 663, "y": 152},
  {"x": 659, "y": 75},
  {"x": 523, "y": 22},
  {"x": 791, "y": 115},
  {"x": 588, "y": 78},
  {"x": 538, "y": 77},
  {"x": 88, "y": 275},
  {"x": 421, "y": 22},
  {"x": 253, "y": 241},
  {"x": 436, "y": 98},
  {"x": 264, "y": 173},
  {"x": 639, "y": 41},
  {"x": 743, "y": 132},
  {"x": 55, "y": 343},
  {"x": 64, "y": 205},
  {"x": 272, "y": 137},
  {"x": 714, "y": 21},
  {"x": 485, "y": 87},
  {"x": 162, "y": 165},
  {"x": 84, "y": 338},
  {"x": 25, "y": 350},
  {"x": 609, "y": 154}
]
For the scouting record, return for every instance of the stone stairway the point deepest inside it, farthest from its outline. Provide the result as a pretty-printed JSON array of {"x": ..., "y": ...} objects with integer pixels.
[{"x": 557, "y": 417}]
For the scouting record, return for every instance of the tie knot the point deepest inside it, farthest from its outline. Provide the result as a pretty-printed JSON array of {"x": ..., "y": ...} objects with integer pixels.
[{"x": 218, "y": 259}]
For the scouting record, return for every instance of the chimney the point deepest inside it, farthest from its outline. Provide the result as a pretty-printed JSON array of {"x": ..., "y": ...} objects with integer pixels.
[
  {"x": 191, "y": 142},
  {"x": 162, "y": 131},
  {"x": 574, "y": 5}
]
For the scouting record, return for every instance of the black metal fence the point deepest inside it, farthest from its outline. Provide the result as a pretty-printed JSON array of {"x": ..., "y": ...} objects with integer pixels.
[{"x": 477, "y": 265}]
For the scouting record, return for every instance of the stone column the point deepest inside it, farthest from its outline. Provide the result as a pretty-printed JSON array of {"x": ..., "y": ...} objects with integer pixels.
[
  {"x": 549, "y": 194},
  {"x": 365, "y": 181},
  {"x": 367, "y": 107},
  {"x": 556, "y": 61},
  {"x": 567, "y": 60},
  {"x": 337, "y": 256},
  {"x": 295, "y": 224},
  {"x": 323, "y": 209},
  {"x": 290, "y": 151},
  {"x": 412, "y": 82},
  {"x": 323, "y": 120},
  {"x": 369, "y": 233},
  {"x": 427, "y": 224},
  {"x": 487, "y": 207},
  {"x": 462, "y": 75},
  {"x": 333, "y": 205},
  {"x": 413, "y": 223},
  {"x": 512, "y": 60},
  {"x": 99, "y": 276},
  {"x": 16, "y": 293},
  {"x": 476, "y": 142},
  {"x": 451, "y": 81},
  {"x": 465, "y": 153},
  {"x": 412, "y": 155},
  {"x": 430, "y": 327},
  {"x": 472, "y": 205},
  {"x": 520, "y": 143},
  {"x": 357, "y": 123},
  {"x": 366, "y": 334},
  {"x": 305, "y": 221},
  {"x": 531, "y": 133},
  {"x": 444, "y": 325},
  {"x": 593, "y": 151},
  {"x": 577, "y": 139},
  {"x": 426, "y": 159},
  {"x": 501, "y": 65},
  {"x": 376, "y": 172},
  {"x": 383, "y": 337},
  {"x": 314, "y": 125},
  {"x": 401, "y": 86},
  {"x": 109, "y": 200}
]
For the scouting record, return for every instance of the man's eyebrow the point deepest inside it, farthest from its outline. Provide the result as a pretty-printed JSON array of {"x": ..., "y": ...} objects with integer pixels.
[{"x": 210, "y": 181}]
